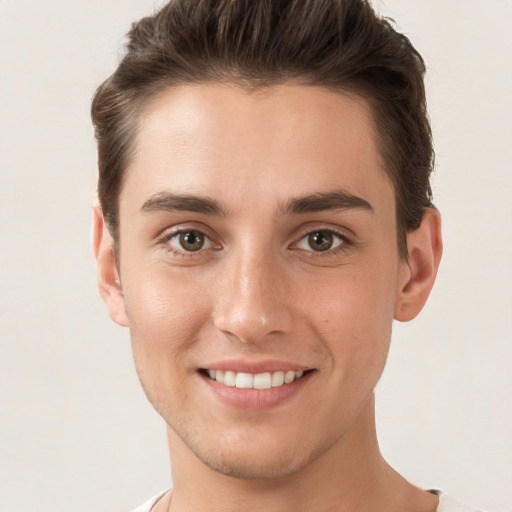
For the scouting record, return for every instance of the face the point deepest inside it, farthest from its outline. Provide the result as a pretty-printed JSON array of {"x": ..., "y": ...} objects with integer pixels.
[{"x": 260, "y": 272}]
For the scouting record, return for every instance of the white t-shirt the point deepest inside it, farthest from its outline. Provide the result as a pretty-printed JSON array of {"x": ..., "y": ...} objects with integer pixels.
[
  {"x": 446, "y": 504},
  {"x": 146, "y": 507},
  {"x": 449, "y": 504}
]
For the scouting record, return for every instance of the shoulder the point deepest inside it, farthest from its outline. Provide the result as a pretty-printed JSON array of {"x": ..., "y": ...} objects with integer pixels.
[{"x": 449, "y": 504}]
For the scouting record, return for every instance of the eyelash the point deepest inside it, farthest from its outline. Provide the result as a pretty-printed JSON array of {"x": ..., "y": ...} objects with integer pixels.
[
  {"x": 166, "y": 238},
  {"x": 344, "y": 243}
]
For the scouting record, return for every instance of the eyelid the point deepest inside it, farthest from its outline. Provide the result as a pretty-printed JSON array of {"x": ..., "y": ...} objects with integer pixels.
[
  {"x": 340, "y": 239},
  {"x": 310, "y": 227},
  {"x": 305, "y": 231},
  {"x": 169, "y": 233},
  {"x": 208, "y": 241}
]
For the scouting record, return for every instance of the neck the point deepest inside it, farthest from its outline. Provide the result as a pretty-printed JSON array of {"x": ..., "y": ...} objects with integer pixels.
[{"x": 350, "y": 475}]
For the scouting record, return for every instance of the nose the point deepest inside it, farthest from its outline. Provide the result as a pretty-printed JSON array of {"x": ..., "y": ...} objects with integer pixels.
[{"x": 252, "y": 304}]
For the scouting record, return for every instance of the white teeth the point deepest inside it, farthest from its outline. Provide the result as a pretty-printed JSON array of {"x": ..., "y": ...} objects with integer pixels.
[
  {"x": 230, "y": 379},
  {"x": 289, "y": 377},
  {"x": 219, "y": 376},
  {"x": 265, "y": 380},
  {"x": 277, "y": 379},
  {"x": 244, "y": 380}
]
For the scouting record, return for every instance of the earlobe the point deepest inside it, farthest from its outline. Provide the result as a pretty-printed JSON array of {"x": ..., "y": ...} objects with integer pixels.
[
  {"x": 106, "y": 270},
  {"x": 419, "y": 272}
]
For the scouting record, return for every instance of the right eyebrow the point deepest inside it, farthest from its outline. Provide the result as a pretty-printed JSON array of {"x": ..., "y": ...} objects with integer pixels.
[
  {"x": 326, "y": 201},
  {"x": 170, "y": 202}
]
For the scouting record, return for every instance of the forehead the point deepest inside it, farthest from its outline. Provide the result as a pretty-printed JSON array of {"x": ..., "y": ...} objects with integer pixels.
[{"x": 224, "y": 141}]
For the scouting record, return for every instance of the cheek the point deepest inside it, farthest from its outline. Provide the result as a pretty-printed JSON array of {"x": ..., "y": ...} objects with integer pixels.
[
  {"x": 353, "y": 314},
  {"x": 165, "y": 317},
  {"x": 358, "y": 296},
  {"x": 165, "y": 311}
]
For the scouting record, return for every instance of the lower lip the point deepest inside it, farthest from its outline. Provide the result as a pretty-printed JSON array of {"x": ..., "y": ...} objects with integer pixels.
[{"x": 255, "y": 399}]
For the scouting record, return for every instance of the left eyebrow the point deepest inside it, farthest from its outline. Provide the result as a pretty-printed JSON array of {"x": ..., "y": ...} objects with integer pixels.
[
  {"x": 326, "y": 201},
  {"x": 167, "y": 201}
]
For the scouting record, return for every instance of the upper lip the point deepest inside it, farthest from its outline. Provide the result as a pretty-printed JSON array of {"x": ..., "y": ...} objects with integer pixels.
[{"x": 255, "y": 367}]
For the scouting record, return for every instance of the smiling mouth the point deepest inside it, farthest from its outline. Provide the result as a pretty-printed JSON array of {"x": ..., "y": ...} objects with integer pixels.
[{"x": 265, "y": 380}]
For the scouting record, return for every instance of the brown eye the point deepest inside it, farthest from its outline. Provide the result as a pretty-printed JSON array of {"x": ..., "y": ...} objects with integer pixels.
[
  {"x": 191, "y": 240},
  {"x": 321, "y": 240}
]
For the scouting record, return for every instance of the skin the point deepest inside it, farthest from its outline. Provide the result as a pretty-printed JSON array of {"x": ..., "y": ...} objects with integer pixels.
[{"x": 258, "y": 290}]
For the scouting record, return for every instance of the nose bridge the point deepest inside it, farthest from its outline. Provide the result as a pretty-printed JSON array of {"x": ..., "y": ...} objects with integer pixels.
[{"x": 252, "y": 304}]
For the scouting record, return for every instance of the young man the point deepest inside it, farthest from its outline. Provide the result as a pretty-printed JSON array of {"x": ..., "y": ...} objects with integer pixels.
[{"x": 265, "y": 213}]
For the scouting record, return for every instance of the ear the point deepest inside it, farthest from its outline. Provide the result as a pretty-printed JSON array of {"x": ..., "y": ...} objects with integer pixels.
[
  {"x": 419, "y": 271},
  {"x": 109, "y": 283}
]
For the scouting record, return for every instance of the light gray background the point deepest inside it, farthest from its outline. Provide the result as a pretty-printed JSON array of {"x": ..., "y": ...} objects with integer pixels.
[{"x": 76, "y": 432}]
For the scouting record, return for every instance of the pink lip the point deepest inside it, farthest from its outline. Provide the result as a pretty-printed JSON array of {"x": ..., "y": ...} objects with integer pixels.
[
  {"x": 254, "y": 399},
  {"x": 239, "y": 365}
]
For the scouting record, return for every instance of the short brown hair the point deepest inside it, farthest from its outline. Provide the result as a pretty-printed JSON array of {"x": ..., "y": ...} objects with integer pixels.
[{"x": 339, "y": 44}]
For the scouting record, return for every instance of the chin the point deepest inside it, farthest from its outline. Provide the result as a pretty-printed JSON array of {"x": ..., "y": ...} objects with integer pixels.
[
  {"x": 242, "y": 467},
  {"x": 255, "y": 458}
]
